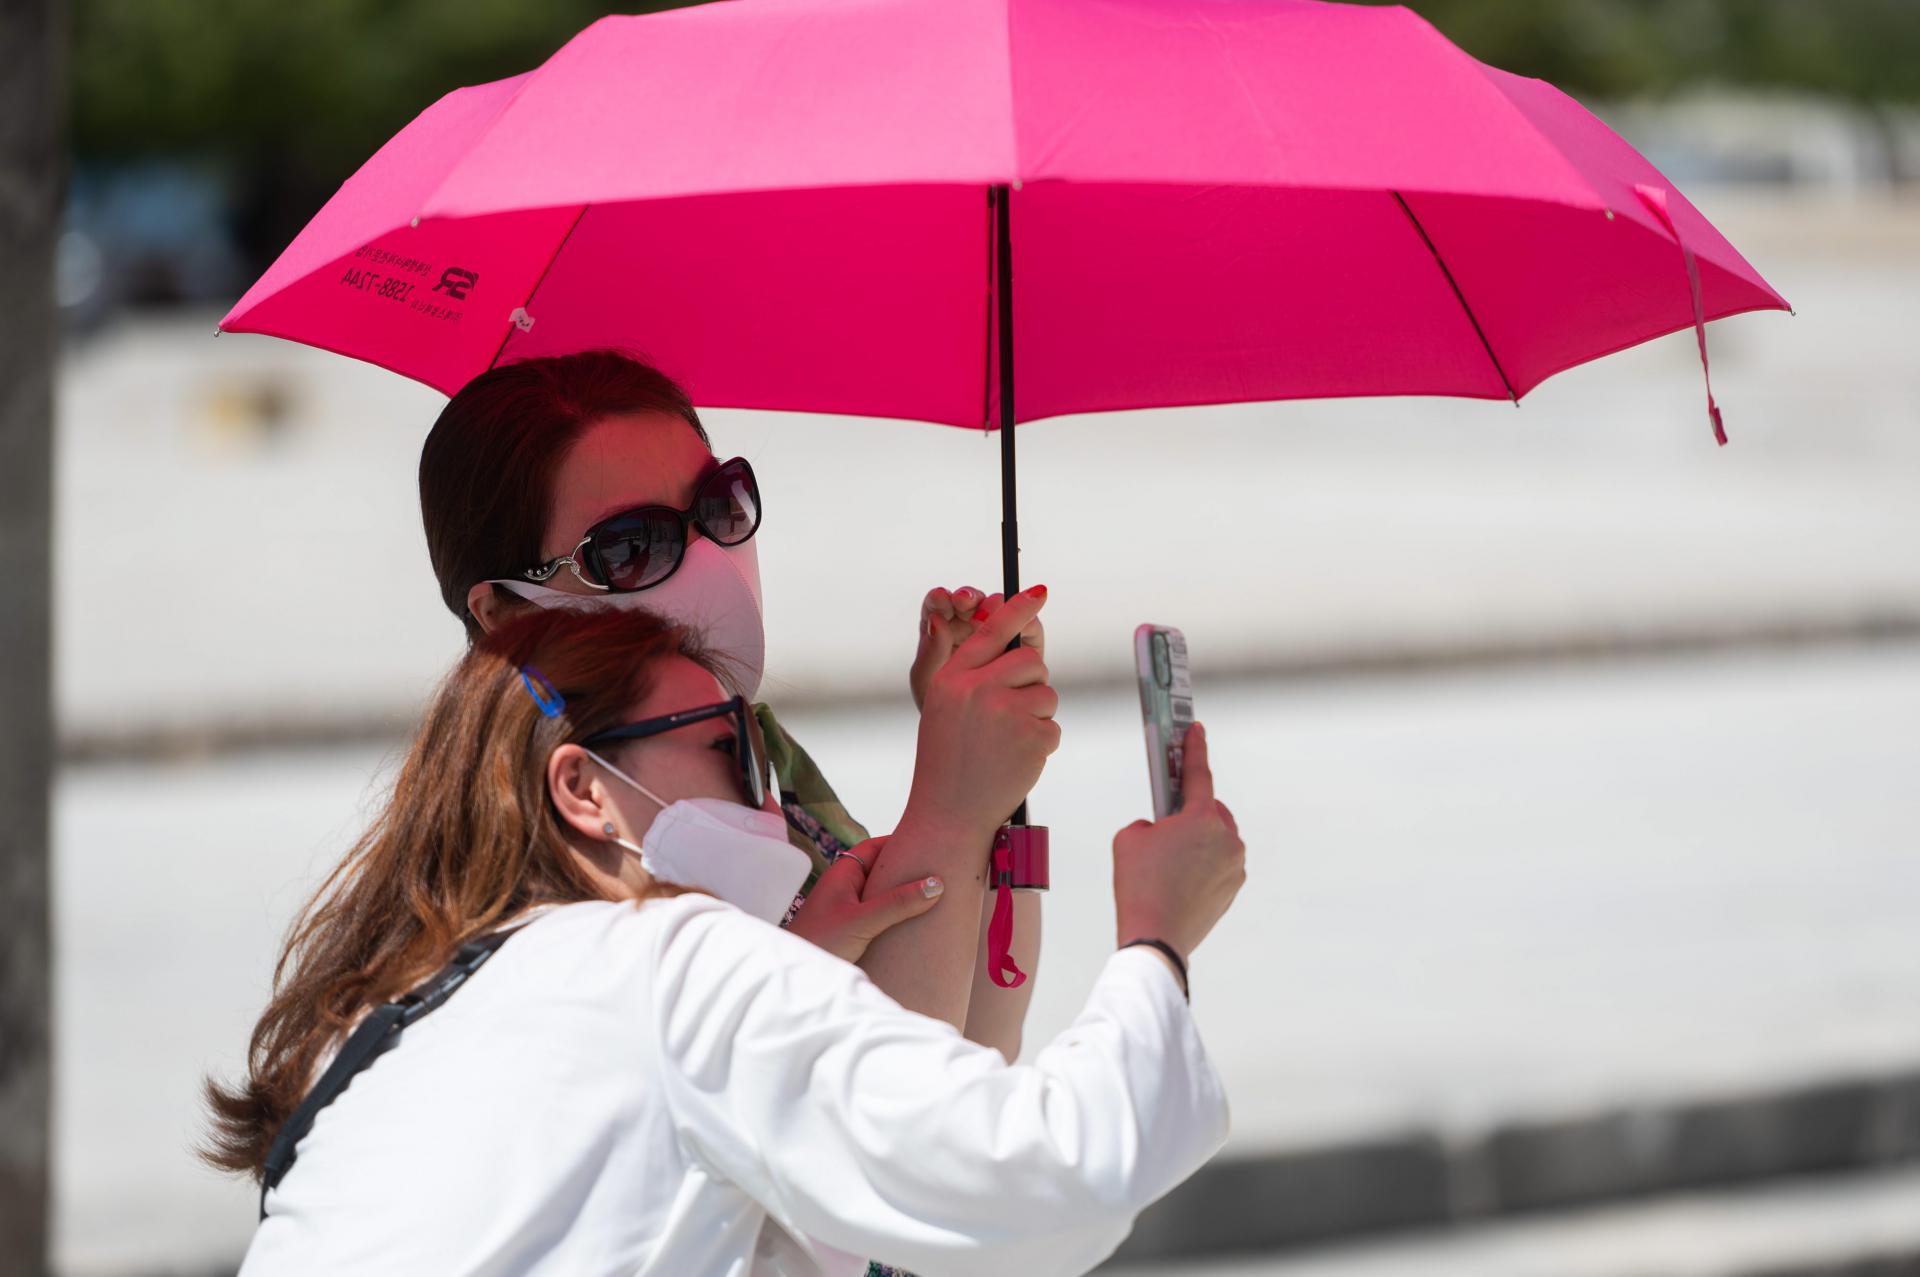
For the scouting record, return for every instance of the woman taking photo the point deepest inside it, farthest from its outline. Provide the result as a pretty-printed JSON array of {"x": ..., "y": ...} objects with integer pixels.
[
  {"x": 587, "y": 480},
  {"x": 647, "y": 1078}
]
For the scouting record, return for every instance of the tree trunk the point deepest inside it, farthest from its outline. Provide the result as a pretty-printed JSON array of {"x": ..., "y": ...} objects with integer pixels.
[{"x": 33, "y": 38}]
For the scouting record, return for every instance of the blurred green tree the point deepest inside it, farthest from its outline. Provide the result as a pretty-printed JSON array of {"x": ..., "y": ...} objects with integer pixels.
[
  {"x": 1864, "y": 50},
  {"x": 293, "y": 97},
  {"x": 327, "y": 82}
]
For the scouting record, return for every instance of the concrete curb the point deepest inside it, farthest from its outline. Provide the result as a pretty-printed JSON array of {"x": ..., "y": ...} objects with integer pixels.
[
  {"x": 1292, "y": 1198},
  {"x": 226, "y": 733},
  {"x": 1865, "y": 1266}
]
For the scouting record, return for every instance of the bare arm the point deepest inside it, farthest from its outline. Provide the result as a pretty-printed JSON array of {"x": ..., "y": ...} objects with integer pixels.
[
  {"x": 986, "y": 729},
  {"x": 996, "y": 1016},
  {"x": 927, "y": 964}
]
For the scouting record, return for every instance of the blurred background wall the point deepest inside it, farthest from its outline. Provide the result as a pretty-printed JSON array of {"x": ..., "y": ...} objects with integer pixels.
[{"x": 1577, "y": 757}]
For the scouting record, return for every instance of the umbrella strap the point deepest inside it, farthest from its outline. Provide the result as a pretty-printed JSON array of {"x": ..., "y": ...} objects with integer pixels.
[
  {"x": 1001, "y": 968},
  {"x": 1655, "y": 198}
]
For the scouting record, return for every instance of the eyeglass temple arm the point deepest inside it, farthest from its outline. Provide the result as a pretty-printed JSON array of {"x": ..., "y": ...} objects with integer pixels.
[{"x": 666, "y": 723}]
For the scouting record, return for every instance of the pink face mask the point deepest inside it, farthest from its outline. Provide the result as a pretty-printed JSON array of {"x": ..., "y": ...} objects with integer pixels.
[{"x": 715, "y": 591}]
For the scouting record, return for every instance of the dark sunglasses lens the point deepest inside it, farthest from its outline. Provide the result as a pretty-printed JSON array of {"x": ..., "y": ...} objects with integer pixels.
[
  {"x": 727, "y": 506},
  {"x": 639, "y": 550}
]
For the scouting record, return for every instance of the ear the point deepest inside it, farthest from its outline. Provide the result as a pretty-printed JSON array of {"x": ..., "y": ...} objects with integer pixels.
[
  {"x": 491, "y": 606},
  {"x": 580, "y": 794}
]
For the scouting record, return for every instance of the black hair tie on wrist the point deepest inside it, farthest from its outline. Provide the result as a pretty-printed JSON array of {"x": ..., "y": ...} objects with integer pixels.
[{"x": 1179, "y": 963}]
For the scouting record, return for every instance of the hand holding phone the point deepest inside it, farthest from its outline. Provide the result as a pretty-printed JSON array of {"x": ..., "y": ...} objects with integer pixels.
[
  {"x": 1166, "y": 711},
  {"x": 1173, "y": 879}
]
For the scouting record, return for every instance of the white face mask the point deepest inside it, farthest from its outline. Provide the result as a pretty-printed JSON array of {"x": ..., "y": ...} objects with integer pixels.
[
  {"x": 738, "y": 853},
  {"x": 715, "y": 591}
]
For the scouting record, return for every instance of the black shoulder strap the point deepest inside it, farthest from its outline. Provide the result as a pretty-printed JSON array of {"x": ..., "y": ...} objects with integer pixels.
[{"x": 378, "y": 1033}]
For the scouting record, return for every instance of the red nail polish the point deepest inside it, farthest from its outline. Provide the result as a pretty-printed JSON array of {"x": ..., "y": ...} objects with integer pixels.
[
  {"x": 1038, "y": 592},
  {"x": 980, "y": 615}
]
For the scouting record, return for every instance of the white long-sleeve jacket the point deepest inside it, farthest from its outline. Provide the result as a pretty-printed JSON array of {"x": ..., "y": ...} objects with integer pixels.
[{"x": 679, "y": 1089}]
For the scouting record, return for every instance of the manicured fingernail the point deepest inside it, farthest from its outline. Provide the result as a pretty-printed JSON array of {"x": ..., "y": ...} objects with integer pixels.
[
  {"x": 980, "y": 614},
  {"x": 1037, "y": 592},
  {"x": 932, "y": 887}
]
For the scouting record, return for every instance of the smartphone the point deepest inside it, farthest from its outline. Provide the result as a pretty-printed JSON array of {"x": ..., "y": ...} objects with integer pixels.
[{"x": 1166, "y": 710}]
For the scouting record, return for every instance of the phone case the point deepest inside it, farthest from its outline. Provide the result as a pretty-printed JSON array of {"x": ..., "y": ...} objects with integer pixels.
[{"x": 1166, "y": 710}]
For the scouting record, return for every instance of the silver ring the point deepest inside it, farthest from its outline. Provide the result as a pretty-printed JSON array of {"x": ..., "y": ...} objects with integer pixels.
[{"x": 864, "y": 866}]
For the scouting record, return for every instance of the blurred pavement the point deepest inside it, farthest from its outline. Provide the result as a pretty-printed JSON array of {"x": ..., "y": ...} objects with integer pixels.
[{"x": 1853, "y": 1227}]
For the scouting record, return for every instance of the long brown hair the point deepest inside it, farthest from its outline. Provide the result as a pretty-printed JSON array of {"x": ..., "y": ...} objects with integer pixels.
[
  {"x": 487, "y": 468},
  {"x": 467, "y": 837}
]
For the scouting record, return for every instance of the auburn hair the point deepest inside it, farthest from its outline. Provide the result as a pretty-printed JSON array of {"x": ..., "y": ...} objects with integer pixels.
[
  {"x": 488, "y": 465},
  {"x": 468, "y": 837}
]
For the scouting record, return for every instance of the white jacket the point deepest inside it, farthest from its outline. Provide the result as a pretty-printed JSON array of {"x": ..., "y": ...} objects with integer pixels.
[{"x": 677, "y": 1088}]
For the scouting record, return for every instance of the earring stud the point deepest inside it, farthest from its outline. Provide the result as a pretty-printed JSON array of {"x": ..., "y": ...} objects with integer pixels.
[{"x": 609, "y": 829}]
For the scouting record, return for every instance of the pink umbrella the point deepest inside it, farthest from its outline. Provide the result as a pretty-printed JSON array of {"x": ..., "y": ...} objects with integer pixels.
[
  {"x": 785, "y": 204},
  {"x": 823, "y": 205}
]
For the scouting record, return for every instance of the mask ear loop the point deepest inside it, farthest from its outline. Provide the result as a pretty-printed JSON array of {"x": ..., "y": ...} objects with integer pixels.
[{"x": 607, "y": 828}]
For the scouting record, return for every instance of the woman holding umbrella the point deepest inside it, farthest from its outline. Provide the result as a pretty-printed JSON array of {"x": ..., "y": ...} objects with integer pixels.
[
  {"x": 615, "y": 1075},
  {"x": 587, "y": 480}
]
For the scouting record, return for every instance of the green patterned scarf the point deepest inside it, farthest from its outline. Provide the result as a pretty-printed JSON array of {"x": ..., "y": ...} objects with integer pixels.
[{"x": 817, "y": 823}]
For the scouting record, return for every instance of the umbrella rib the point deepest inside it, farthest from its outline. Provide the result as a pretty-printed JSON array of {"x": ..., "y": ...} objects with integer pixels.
[
  {"x": 527, "y": 305},
  {"x": 1458, "y": 296}
]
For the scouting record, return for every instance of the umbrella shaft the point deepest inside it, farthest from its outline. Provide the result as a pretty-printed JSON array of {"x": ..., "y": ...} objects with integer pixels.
[
  {"x": 1000, "y": 199},
  {"x": 1002, "y": 202}
]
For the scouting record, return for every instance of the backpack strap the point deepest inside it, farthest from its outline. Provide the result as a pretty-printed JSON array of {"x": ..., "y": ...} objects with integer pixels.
[{"x": 375, "y": 1035}]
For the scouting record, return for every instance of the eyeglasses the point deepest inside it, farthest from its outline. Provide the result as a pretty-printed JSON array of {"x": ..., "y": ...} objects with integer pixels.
[
  {"x": 639, "y": 548},
  {"x": 749, "y": 761}
]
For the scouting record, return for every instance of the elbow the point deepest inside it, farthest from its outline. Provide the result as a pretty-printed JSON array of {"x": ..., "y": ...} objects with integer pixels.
[
  {"x": 1103, "y": 1161},
  {"x": 1115, "y": 1160}
]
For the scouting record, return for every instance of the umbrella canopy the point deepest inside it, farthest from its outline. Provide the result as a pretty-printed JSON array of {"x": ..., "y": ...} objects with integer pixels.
[{"x": 787, "y": 204}]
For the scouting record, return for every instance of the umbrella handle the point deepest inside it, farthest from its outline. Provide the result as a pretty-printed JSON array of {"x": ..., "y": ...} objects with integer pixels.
[{"x": 1019, "y": 863}]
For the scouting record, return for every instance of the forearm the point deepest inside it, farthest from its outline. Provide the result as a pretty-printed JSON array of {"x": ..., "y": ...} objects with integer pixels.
[
  {"x": 996, "y": 1016},
  {"x": 926, "y": 964}
]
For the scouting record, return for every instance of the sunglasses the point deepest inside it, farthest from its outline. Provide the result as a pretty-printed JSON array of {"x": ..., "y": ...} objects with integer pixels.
[
  {"x": 750, "y": 763},
  {"x": 639, "y": 548}
]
